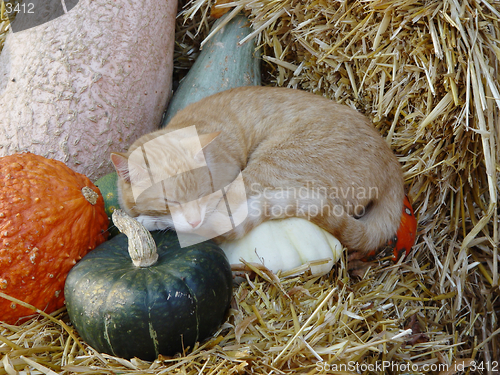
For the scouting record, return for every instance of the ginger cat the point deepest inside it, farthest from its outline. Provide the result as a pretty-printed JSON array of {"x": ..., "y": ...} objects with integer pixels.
[{"x": 299, "y": 154}]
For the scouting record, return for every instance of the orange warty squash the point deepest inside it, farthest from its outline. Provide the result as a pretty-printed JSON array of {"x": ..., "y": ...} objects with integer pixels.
[{"x": 50, "y": 217}]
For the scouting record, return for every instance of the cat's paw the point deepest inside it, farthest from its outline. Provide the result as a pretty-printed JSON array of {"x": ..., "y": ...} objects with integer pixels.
[{"x": 155, "y": 222}]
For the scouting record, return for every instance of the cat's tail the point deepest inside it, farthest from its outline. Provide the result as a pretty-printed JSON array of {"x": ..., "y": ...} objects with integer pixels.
[{"x": 376, "y": 227}]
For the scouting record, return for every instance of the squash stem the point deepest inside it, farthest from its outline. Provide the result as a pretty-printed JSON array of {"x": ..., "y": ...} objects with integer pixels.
[
  {"x": 90, "y": 195},
  {"x": 141, "y": 245}
]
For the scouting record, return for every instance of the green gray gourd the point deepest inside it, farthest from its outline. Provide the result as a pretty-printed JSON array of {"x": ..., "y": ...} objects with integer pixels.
[{"x": 221, "y": 65}]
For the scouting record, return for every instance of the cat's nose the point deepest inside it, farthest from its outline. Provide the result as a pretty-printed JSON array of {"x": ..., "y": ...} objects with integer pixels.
[{"x": 194, "y": 224}]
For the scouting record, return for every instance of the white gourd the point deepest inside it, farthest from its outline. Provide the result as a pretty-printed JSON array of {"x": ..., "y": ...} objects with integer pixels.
[{"x": 284, "y": 245}]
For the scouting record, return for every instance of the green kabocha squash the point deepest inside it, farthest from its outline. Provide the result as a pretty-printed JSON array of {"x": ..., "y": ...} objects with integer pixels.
[
  {"x": 221, "y": 65},
  {"x": 108, "y": 187},
  {"x": 128, "y": 299}
]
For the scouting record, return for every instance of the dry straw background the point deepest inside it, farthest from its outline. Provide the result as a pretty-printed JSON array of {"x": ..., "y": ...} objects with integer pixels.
[{"x": 427, "y": 73}]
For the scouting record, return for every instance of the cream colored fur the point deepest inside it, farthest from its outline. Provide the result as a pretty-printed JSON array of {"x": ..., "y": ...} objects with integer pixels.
[{"x": 297, "y": 151}]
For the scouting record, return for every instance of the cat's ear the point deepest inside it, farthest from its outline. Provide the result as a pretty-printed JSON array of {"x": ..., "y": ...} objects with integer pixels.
[
  {"x": 131, "y": 167},
  {"x": 120, "y": 162},
  {"x": 205, "y": 140}
]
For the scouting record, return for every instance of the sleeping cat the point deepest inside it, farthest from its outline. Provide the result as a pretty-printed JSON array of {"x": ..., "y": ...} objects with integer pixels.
[{"x": 264, "y": 153}]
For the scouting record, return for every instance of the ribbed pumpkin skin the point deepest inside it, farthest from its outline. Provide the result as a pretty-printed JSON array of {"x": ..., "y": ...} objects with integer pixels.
[
  {"x": 127, "y": 311},
  {"x": 46, "y": 226}
]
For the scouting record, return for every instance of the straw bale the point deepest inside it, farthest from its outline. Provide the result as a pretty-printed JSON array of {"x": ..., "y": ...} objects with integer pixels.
[
  {"x": 277, "y": 324},
  {"x": 426, "y": 73}
]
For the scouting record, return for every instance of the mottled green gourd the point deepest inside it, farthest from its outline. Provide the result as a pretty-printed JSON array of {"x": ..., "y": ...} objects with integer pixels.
[
  {"x": 155, "y": 307},
  {"x": 108, "y": 187}
]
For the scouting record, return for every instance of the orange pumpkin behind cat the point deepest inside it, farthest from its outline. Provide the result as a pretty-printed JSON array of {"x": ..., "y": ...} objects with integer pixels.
[
  {"x": 405, "y": 236},
  {"x": 404, "y": 239}
]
